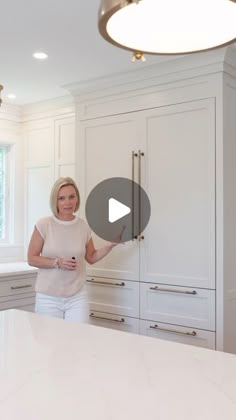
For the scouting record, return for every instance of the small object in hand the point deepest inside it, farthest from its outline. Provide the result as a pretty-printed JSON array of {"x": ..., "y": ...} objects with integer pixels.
[{"x": 73, "y": 258}]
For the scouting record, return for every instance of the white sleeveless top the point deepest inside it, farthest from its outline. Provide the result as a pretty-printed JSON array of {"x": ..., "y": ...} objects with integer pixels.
[{"x": 62, "y": 239}]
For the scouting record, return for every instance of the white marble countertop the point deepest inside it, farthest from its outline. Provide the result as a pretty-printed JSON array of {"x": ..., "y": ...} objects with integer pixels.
[
  {"x": 50, "y": 370},
  {"x": 13, "y": 268}
]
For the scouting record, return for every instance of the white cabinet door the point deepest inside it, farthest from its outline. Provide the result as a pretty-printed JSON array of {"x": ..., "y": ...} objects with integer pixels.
[
  {"x": 17, "y": 291},
  {"x": 178, "y": 305},
  {"x": 24, "y": 302},
  {"x": 17, "y": 285},
  {"x": 178, "y": 170},
  {"x": 65, "y": 147},
  {"x": 195, "y": 337},
  {"x": 113, "y": 296},
  {"x": 116, "y": 322},
  {"x": 105, "y": 151},
  {"x": 27, "y": 308}
]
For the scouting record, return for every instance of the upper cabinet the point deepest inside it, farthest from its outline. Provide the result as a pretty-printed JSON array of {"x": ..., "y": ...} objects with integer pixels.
[
  {"x": 178, "y": 174},
  {"x": 177, "y": 169},
  {"x": 49, "y": 143}
]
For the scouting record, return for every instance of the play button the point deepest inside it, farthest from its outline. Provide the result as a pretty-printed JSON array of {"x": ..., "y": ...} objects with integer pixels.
[
  {"x": 115, "y": 203},
  {"x": 117, "y": 210}
]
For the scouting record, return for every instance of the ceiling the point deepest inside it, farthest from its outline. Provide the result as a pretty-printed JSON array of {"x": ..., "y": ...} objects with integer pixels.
[{"x": 67, "y": 32}]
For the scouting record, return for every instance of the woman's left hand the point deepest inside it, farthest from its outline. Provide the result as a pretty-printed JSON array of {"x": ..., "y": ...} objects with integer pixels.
[{"x": 118, "y": 239}]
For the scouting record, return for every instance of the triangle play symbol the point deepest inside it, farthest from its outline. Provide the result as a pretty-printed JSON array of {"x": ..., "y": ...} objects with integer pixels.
[{"x": 116, "y": 210}]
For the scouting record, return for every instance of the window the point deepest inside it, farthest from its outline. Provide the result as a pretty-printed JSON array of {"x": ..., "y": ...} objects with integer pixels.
[{"x": 3, "y": 194}]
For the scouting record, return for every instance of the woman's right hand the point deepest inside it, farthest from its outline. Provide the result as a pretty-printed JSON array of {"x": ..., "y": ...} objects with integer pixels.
[{"x": 67, "y": 264}]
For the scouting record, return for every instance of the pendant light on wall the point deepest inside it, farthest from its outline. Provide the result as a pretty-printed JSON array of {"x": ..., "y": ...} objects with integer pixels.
[
  {"x": 168, "y": 26},
  {"x": 1, "y": 88}
]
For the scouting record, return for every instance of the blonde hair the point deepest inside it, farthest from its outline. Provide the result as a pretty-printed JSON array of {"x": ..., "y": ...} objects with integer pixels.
[{"x": 62, "y": 182}]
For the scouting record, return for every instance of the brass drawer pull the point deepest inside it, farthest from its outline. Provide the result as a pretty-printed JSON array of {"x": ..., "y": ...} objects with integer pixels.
[
  {"x": 107, "y": 283},
  {"x": 140, "y": 154},
  {"x": 163, "y": 289},
  {"x": 106, "y": 319},
  {"x": 156, "y": 327},
  {"x": 20, "y": 287},
  {"x": 134, "y": 233}
]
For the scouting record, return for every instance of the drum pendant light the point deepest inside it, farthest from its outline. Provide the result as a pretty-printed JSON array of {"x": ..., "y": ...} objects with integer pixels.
[{"x": 168, "y": 26}]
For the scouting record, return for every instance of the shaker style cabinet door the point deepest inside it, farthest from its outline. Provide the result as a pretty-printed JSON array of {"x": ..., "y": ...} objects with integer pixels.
[
  {"x": 177, "y": 170},
  {"x": 178, "y": 305},
  {"x": 115, "y": 322},
  {"x": 184, "y": 335},
  {"x": 113, "y": 296},
  {"x": 178, "y": 174},
  {"x": 105, "y": 151}
]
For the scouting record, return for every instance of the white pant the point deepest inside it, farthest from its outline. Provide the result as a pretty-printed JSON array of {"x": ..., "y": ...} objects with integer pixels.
[{"x": 74, "y": 308}]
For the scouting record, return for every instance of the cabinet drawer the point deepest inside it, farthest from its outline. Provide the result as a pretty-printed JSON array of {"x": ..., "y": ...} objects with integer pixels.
[
  {"x": 17, "y": 285},
  {"x": 26, "y": 303},
  {"x": 178, "y": 334},
  {"x": 178, "y": 305},
  {"x": 113, "y": 296},
  {"x": 116, "y": 322},
  {"x": 27, "y": 308}
]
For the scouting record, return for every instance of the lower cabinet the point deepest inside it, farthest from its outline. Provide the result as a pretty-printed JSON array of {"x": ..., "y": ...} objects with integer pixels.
[
  {"x": 116, "y": 322},
  {"x": 17, "y": 291},
  {"x": 184, "y": 335},
  {"x": 178, "y": 305},
  {"x": 114, "y": 296},
  {"x": 114, "y": 303},
  {"x": 181, "y": 314}
]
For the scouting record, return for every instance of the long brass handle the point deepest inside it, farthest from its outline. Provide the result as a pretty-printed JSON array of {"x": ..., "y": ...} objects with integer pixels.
[
  {"x": 106, "y": 319},
  {"x": 107, "y": 283},
  {"x": 21, "y": 287},
  {"x": 133, "y": 157},
  {"x": 156, "y": 327},
  {"x": 140, "y": 154},
  {"x": 165, "y": 289}
]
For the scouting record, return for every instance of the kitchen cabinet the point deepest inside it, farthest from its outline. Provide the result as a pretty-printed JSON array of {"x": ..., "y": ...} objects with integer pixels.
[
  {"x": 114, "y": 303},
  {"x": 178, "y": 246},
  {"x": 116, "y": 322},
  {"x": 178, "y": 119},
  {"x": 49, "y": 154},
  {"x": 17, "y": 281},
  {"x": 178, "y": 334}
]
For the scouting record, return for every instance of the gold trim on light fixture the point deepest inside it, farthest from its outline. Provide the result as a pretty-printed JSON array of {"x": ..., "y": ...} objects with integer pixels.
[
  {"x": 137, "y": 55},
  {"x": 1, "y": 88},
  {"x": 124, "y": 24}
]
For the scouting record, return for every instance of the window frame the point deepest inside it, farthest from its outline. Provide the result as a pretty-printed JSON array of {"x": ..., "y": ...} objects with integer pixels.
[{"x": 8, "y": 208}]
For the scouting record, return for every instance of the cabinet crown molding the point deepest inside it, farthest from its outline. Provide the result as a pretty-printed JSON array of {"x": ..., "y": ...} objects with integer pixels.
[
  {"x": 172, "y": 69},
  {"x": 9, "y": 112},
  {"x": 50, "y": 108}
]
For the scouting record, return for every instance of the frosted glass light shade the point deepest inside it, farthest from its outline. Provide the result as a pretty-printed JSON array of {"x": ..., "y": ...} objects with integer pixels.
[{"x": 168, "y": 26}]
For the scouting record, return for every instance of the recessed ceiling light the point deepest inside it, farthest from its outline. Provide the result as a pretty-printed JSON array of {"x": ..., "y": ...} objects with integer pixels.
[
  {"x": 40, "y": 55},
  {"x": 11, "y": 96}
]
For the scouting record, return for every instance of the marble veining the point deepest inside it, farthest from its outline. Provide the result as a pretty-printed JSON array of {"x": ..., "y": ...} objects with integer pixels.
[{"x": 50, "y": 369}]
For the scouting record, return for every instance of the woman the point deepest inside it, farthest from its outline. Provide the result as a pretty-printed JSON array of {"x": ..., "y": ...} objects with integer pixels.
[{"x": 59, "y": 246}]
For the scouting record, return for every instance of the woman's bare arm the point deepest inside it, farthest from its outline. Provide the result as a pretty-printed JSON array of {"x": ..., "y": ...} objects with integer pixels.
[
  {"x": 34, "y": 252},
  {"x": 37, "y": 260},
  {"x": 94, "y": 255}
]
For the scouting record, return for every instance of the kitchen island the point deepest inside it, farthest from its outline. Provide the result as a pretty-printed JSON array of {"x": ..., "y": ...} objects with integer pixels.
[{"x": 53, "y": 370}]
